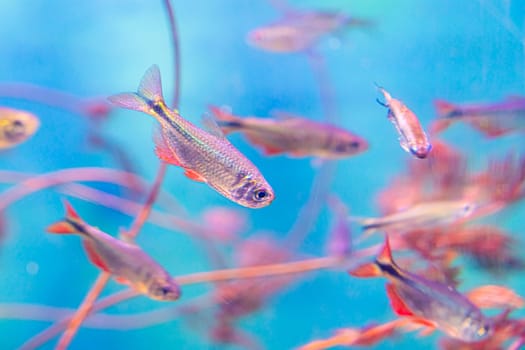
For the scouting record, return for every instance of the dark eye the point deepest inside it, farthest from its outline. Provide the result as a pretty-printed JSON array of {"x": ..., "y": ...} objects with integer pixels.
[
  {"x": 15, "y": 130},
  {"x": 260, "y": 195}
]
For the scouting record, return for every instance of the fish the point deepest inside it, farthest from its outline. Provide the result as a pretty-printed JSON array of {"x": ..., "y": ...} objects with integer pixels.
[
  {"x": 420, "y": 215},
  {"x": 412, "y": 137},
  {"x": 16, "y": 126},
  {"x": 432, "y": 303},
  {"x": 205, "y": 156},
  {"x": 300, "y": 30},
  {"x": 491, "y": 119},
  {"x": 126, "y": 261},
  {"x": 292, "y": 135}
]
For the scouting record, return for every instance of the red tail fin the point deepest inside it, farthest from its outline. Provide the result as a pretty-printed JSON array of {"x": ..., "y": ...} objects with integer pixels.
[
  {"x": 385, "y": 256},
  {"x": 444, "y": 108},
  {"x": 65, "y": 226}
]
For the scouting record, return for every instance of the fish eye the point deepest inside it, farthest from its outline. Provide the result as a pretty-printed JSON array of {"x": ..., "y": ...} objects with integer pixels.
[
  {"x": 15, "y": 130},
  {"x": 260, "y": 195},
  {"x": 483, "y": 330}
]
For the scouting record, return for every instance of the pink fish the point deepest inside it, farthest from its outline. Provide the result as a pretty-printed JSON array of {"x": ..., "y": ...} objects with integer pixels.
[
  {"x": 412, "y": 137},
  {"x": 492, "y": 119},
  {"x": 125, "y": 261},
  {"x": 206, "y": 156},
  {"x": 293, "y": 135},
  {"x": 300, "y": 31},
  {"x": 432, "y": 303}
]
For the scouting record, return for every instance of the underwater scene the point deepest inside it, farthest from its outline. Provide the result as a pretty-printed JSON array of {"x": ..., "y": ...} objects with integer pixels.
[{"x": 264, "y": 174}]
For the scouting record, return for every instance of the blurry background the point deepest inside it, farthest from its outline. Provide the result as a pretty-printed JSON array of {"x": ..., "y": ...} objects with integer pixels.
[{"x": 419, "y": 51}]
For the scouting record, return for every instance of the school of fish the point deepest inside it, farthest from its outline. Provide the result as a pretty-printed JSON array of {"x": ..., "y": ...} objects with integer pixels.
[{"x": 440, "y": 218}]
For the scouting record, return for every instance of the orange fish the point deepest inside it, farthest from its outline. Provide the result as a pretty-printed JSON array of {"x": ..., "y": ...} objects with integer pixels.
[
  {"x": 125, "y": 261},
  {"x": 412, "y": 137},
  {"x": 206, "y": 156},
  {"x": 16, "y": 126},
  {"x": 293, "y": 135}
]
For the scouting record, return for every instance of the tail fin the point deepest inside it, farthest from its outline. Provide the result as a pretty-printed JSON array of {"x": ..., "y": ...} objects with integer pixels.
[
  {"x": 385, "y": 256},
  {"x": 226, "y": 121},
  {"x": 149, "y": 92},
  {"x": 66, "y": 226},
  {"x": 375, "y": 269},
  {"x": 444, "y": 108}
]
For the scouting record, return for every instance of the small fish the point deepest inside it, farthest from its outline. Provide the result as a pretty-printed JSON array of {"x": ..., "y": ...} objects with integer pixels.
[
  {"x": 293, "y": 135},
  {"x": 125, "y": 261},
  {"x": 300, "y": 31},
  {"x": 16, "y": 126},
  {"x": 420, "y": 215},
  {"x": 206, "y": 156},
  {"x": 492, "y": 119},
  {"x": 412, "y": 137},
  {"x": 432, "y": 303}
]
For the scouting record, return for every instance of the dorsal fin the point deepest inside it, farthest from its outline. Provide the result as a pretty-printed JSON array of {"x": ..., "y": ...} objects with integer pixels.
[
  {"x": 211, "y": 125},
  {"x": 151, "y": 85}
]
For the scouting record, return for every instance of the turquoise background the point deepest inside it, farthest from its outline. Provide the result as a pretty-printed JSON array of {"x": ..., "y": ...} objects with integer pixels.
[{"x": 418, "y": 50}]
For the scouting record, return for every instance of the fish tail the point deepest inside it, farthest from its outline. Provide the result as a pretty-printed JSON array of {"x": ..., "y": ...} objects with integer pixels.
[
  {"x": 385, "y": 256},
  {"x": 384, "y": 265},
  {"x": 149, "y": 93},
  {"x": 226, "y": 121},
  {"x": 444, "y": 108},
  {"x": 70, "y": 224}
]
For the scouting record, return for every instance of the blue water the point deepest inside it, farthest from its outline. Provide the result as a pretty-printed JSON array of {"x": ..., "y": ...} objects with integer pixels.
[{"x": 454, "y": 50}]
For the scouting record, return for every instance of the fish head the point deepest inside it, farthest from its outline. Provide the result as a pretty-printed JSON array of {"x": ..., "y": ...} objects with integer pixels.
[
  {"x": 421, "y": 151},
  {"x": 164, "y": 289},
  {"x": 475, "y": 327},
  {"x": 18, "y": 126},
  {"x": 348, "y": 144},
  {"x": 252, "y": 192}
]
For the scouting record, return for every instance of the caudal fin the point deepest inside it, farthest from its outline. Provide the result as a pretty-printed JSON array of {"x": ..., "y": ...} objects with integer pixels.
[
  {"x": 385, "y": 256},
  {"x": 148, "y": 93},
  {"x": 67, "y": 225},
  {"x": 444, "y": 108},
  {"x": 374, "y": 269},
  {"x": 226, "y": 121}
]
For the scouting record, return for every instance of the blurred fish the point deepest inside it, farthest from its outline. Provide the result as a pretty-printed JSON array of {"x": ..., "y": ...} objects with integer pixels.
[
  {"x": 205, "y": 156},
  {"x": 492, "y": 119},
  {"x": 432, "y": 303},
  {"x": 493, "y": 296},
  {"x": 16, "y": 126},
  {"x": 420, "y": 215},
  {"x": 412, "y": 137},
  {"x": 126, "y": 261},
  {"x": 300, "y": 30},
  {"x": 293, "y": 135}
]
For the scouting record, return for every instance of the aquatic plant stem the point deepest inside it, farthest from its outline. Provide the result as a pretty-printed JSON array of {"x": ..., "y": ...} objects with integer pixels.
[
  {"x": 83, "y": 311},
  {"x": 296, "y": 267},
  {"x": 103, "y": 278},
  {"x": 176, "y": 52}
]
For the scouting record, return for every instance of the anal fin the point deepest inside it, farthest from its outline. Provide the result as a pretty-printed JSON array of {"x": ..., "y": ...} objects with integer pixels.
[
  {"x": 94, "y": 257},
  {"x": 398, "y": 305},
  {"x": 164, "y": 152},
  {"x": 191, "y": 174}
]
